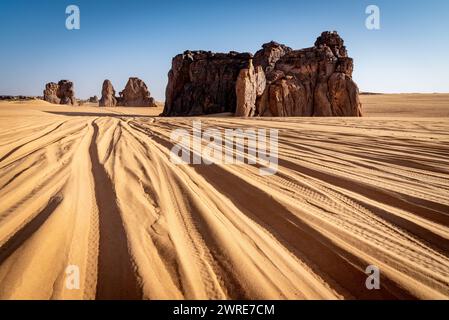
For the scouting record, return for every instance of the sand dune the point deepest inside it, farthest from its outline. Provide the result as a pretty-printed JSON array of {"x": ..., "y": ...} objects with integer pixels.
[{"x": 95, "y": 188}]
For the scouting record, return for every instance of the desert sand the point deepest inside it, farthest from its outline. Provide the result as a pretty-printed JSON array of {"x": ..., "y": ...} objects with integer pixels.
[{"x": 95, "y": 188}]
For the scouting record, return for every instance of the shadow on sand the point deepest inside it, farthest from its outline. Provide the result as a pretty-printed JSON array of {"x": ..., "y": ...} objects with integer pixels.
[{"x": 97, "y": 114}]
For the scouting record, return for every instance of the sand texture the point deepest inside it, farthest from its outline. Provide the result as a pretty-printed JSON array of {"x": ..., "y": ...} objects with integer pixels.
[{"x": 95, "y": 188}]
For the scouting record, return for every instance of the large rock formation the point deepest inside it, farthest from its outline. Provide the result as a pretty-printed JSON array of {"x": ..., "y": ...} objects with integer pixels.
[
  {"x": 278, "y": 81},
  {"x": 202, "y": 82},
  {"x": 315, "y": 81},
  {"x": 107, "y": 95},
  {"x": 136, "y": 94},
  {"x": 60, "y": 93}
]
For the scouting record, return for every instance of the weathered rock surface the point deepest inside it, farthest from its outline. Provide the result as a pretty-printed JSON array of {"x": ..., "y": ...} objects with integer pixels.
[
  {"x": 136, "y": 94},
  {"x": 108, "y": 98},
  {"x": 202, "y": 82},
  {"x": 315, "y": 81},
  {"x": 66, "y": 92},
  {"x": 250, "y": 85},
  {"x": 93, "y": 99},
  {"x": 270, "y": 53},
  {"x": 51, "y": 93},
  {"x": 278, "y": 81},
  {"x": 60, "y": 93}
]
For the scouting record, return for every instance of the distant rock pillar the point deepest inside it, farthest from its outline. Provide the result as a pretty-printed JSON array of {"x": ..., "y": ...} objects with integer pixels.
[{"x": 108, "y": 98}]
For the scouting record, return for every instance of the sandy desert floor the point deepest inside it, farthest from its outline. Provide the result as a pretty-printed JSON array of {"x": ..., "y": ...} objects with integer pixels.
[{"x": 95, "y": 188}]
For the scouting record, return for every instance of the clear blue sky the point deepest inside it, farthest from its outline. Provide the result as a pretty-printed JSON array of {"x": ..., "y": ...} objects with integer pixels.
[{"x": 119, "y": 39}]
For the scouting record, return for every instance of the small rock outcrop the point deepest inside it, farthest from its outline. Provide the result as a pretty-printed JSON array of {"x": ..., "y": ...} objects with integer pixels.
[
  {"x": 108, "y": 98},
  {"x": 51, "y": 93},
  {"x": 93, "y": 99},
  {"x": 136, "y": 94},
  {"x": 19, "y": 98},
  {"x": 277, "y": 81},
  {"x": 202, "y": 82},
  {"x": 60, "y": 93}
]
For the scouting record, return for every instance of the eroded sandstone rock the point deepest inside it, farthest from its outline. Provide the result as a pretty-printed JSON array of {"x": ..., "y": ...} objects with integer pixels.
[
  {"x": 61, "y": 93},
  {"x": 136, "y": 94},
  {"x": 108, "y": 98},
  {"x": 250, "y": 85},
  {"x": 270, "y": 53},
  {"x": 202, "y": 82},
  {"x": 51, "y": 93},
  {"x": 279, "y": 81},
  {"x": 66, "y": 92},
  {"x": 315, "y": 81}
]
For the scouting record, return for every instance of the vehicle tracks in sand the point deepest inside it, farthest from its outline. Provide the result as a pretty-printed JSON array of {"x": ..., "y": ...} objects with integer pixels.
[
  {"x": 116, "y": 273},
  {"x": 101, "y": 192}
]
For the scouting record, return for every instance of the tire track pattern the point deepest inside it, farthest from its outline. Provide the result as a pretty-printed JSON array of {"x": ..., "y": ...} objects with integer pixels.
[{"x": 100, "y": 192}]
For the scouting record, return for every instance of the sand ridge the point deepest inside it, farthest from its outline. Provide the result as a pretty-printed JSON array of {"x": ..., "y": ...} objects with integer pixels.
[{"x": 95, "y": 188}]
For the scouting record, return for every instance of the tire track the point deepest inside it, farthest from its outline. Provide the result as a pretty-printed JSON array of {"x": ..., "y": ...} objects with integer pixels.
[{"x": 116, "y": 273}]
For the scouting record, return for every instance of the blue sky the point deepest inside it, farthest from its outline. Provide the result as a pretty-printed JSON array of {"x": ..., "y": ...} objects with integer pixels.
[{"x": 119, "y": 39}]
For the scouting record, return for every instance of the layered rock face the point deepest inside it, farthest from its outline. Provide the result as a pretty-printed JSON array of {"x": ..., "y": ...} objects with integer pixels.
[
  {"x": 60, "y": 93},
  {"x": 107, "y": 95},
  {"x": 202, "y": 82},
  {"x": 277, "y": 81},
  {"x": 136, "y": 94}
]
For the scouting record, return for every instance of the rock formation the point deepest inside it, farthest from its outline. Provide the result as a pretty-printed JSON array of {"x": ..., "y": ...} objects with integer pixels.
[
  {"x": 249, "y": 87},
  {"x": 270, "y": 53},
  {"x": 51, "y": 93},
  {"x": 93, "y": 99},
  {"x": 277, "y": 81},
  {"x": 107, "y": 95},
  {"x": 202, "y": 82},
  {"x": 136, "y": 94},
  {"x": 60, "y": 93},
  {"x": 315, "y": 81},
  {"x": 66, "y": 92},
  {"x": 20, "y": 98}
]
